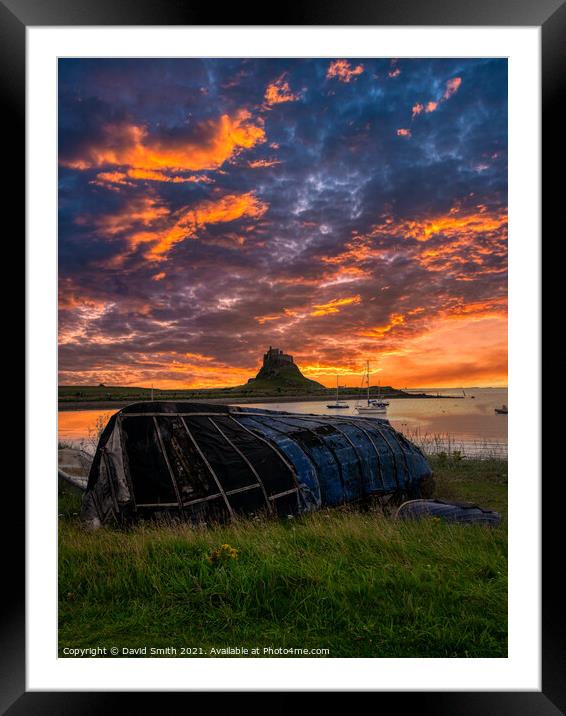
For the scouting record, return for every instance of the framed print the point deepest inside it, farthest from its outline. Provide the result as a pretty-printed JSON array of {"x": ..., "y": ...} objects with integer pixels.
[{"x": 269, "y": 268}]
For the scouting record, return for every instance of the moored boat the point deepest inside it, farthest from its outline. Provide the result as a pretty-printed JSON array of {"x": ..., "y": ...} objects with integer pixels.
[
  {"x": 339, "y": 403},
  {"x": 373, "y": 405}
]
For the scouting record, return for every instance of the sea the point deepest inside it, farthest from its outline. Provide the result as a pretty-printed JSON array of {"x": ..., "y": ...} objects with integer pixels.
[{"x": 456, "y": 420}]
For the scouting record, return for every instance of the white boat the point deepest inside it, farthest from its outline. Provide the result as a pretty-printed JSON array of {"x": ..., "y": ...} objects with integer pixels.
[
  {"x": 339, "y": 403},
  {"x": 373, "y": 405}
]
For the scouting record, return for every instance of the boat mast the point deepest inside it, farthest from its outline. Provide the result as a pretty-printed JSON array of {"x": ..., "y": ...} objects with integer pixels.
[{"x": 368, "y": 381}]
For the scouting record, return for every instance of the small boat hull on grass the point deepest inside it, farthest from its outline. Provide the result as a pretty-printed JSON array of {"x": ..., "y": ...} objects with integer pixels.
[{"x": 461, "y": 512}]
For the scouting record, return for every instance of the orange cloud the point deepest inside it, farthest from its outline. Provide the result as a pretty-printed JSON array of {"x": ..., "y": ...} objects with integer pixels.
[
  {"x": 458, "y": 310},
  {"x": 396, "y": 319},
  {"x": 342, "y": 70},
  {"x": 286, "y": 313},
  {"x": 208, "y": 147},
  {"x": 471, "y": 238},
  {"x": 344, "y": 274},
  {"x": 265, "y": 319},
  {"x": 112, "y": 178},
  {"x": 420, "y": 107},
  {"x": 417, "y": 109},
  {"x": 222, "y": 210},
  {"x": 322, "y": 309},
  {"x": 471, "y": 351},
  {"x": 358, "y": 250},
  {"x": 452, "y": 86},
  {"x": 144, "y": 211},
  {"x": 187, "y": 370},
  {"x": 152, "y": 175},
  {"x": 456, "y": 223},
  {"x": 404, "y": 132},
  {"x": 279, "y": 91},
  {"x": 258, "y": 163}
]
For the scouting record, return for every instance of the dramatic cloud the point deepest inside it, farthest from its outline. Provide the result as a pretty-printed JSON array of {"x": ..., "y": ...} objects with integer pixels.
[
  {"x": 417, "y": 109},
  {"x": 333, "y": 306},
  {"x": 187, "y": 224},
  {"x": 342, "y": 70},
  {"x": 206, "y": 146},
  {"x": 452, "y": 86},
  {"x": 279, "y": 91},
  {"x": 343, "y": 210}
]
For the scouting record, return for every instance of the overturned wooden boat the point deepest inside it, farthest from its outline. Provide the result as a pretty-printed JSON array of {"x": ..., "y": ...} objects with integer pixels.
[{"x": 215, "y": 462}]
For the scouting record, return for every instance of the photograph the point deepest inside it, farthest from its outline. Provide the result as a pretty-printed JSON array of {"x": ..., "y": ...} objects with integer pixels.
[{"x": 282, "y": 357}]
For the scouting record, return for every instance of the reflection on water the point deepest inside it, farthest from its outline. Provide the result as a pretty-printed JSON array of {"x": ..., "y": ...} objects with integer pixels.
[
  {"x": 81, "y": 427},
  {"x": 466, "y": 424}
]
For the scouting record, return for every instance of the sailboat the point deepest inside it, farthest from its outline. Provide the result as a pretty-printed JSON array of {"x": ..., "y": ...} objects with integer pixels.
[
  {"x": 338, "y": 403},
  {"x": 373, "y": 405}
]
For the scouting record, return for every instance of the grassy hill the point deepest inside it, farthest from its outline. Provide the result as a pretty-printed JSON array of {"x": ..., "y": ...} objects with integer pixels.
[
  {"x": 275, "y": 387},
  {"x": 288, "y": 380}
]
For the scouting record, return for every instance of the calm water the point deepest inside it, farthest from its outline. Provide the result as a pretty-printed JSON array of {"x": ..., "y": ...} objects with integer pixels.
[{"x": 465, "y": 424}]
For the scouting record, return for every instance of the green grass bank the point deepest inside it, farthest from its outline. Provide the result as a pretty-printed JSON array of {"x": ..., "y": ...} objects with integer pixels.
[
  {"x": 284, "y": 387},
  {"x": 353, "y": 582}
]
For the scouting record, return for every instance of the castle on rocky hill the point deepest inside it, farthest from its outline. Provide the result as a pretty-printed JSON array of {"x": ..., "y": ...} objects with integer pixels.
[{"x": 276, "y": 363}]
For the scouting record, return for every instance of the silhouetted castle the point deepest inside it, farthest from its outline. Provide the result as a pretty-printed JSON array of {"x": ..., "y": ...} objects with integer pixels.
[
  {"x": 273, "y": 362},
  {"x": 274, "y": 358}
]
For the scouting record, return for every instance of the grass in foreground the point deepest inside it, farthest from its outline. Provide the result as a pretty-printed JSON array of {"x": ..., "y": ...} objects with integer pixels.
[{"x": 356, "y": 583}]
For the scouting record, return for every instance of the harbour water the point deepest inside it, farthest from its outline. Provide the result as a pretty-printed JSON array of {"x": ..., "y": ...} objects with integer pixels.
[{"x": 449, "y": 424}]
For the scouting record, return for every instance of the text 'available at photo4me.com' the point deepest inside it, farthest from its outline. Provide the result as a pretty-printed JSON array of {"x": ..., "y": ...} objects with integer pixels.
[{"x": 265, "y": 651}]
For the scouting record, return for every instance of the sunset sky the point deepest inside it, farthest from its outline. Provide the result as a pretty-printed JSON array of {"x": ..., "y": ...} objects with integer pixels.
[{"x": 342, "y": 210}]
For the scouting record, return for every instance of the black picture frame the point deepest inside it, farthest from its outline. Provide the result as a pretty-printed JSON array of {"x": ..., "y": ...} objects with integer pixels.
[{"x": 550, "y": 15}]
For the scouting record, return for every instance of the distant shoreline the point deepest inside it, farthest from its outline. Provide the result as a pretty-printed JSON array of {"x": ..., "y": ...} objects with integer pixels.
[{"x": 118, "y": 404}]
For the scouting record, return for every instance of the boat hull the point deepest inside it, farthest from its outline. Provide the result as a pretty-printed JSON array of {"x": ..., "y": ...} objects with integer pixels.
[
  {"x": 210, "y": 463},
  {"x": 460, "y": 512}
]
